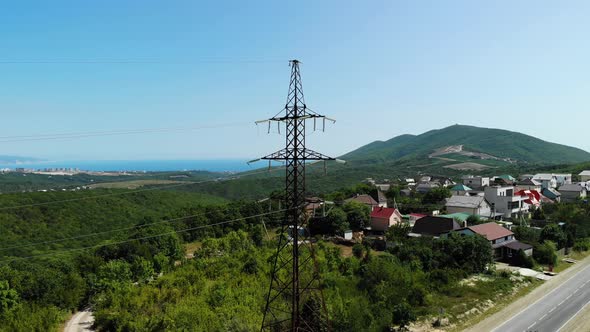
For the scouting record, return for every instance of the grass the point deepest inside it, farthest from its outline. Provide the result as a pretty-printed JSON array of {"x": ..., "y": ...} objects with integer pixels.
[
  {"x": 561, "y": 265},
  {"x": 500, "y": 302}
]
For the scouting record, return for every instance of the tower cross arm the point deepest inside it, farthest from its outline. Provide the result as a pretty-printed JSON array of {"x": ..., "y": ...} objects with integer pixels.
[{"x": 303, "y": 154}]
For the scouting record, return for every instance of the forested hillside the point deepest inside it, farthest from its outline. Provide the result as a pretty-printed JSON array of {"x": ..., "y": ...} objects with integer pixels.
[
  {"x": 55, "y": 258},
  {"x": 495, "y": 142}
]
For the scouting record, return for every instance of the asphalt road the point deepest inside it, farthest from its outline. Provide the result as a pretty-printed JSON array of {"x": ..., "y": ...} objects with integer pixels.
[
  {"x": 554, "y": 310},
  {"x": 80, "y": 322}
]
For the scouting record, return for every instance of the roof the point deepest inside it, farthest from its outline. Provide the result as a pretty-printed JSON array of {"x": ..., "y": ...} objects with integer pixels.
[
  {"x": 491, "y": 231},
  {"x": 507, "y": 177},
  {"x": 462, "y": 216},
  {"x": 571, "y": 187},
  {"x": 461, "y": 187},
  {"x": 529, "y": 182},
  {"x": 587, "y": 173},
  {"x": 383, "y": 186},
  {"x": 382, "y": 212},
  {"x": 515, "y": 245},
  {"x": 551, "y": 193},
  {"x": 472, "y": 202},
  {"x": 534, "y": 197},
  {"x": 429, "y": 185},
  {"x": 434, "y": 226},
  {"x": 543, "y": 176},
  {"x": 365, "y": 199}
]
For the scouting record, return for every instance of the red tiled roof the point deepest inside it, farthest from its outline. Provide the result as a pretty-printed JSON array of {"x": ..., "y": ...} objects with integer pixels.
[
  {"x": 418, "y": 215},
  {"x": 491, "y": 231},
  {"x": 365, "y": 199},
  {"x": 381, "y": 212}
]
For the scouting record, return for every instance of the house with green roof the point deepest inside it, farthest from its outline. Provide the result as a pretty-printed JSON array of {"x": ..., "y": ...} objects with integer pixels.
[{"x": 460, "y": 189}]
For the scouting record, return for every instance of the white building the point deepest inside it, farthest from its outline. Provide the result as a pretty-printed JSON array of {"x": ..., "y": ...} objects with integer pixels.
[
  {"x": 553, "y": 180},
  {"x": 475, "y": 205},
  {"x": 585, "y": 176},
  {"x": 505, "y": 203},
  {"x": 476, "y": 182}
]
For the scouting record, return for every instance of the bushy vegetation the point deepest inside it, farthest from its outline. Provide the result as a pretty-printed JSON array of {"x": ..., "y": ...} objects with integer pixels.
[
  {"x": 224, "y": 287},
  {"x": 40, "y": 284}
]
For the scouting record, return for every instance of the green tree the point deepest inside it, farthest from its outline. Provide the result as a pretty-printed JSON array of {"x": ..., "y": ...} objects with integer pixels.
[
  {"x": 527, "y": 234},
  {"x": 357, "y": 250},
  {"x": 337, "y": 221},
  {"x": 398, "y": 232},
  {"x": 545, "y": 253},
  {"x": 142, "y": 269},
  {"x": 538, "y": 214},
  {"x": 357, "y": 215},
  {"x": 8, "y": 297},
  {"x": 114, "y": 273},
  {"x": 436, "y": 195},
  {"x": 474, "y": 220},
  {"x": 554, "y": 233}
]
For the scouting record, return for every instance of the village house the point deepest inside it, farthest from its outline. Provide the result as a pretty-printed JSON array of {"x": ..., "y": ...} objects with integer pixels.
[
  {"x": 502, "y": 240},
  {"x": 476, "y": 182},
  {"x": 473, "y": 205},
  {"x": 547, "y": 180},
  {"x": 529, "y": 184},
  {"x": 534, "y": 197},
  {"x": 505, "y": 202},
  {"x": 381, "y": 199},
  {"x": 505, "y": 180},
  {"x": 363, "y": 199},
  {"x": 425, "y": 179},
  {"x": 383, "y": 186},
  {"x": 584, "y": 176},
  {"x": 460, "y": 190},
  {"x": 412, "y": 217},
  {"x": 443, "y": 181},
  {"x": 553, "y": 180},
  {"x": 552, "y": 194},
  {"x": 315, "y": 206},
  {"x": 382, "y": 218},
  {"x": 572, "y": 192},
  {"x": 433, "y": 226},
  {"x": 423, "y": 188}
]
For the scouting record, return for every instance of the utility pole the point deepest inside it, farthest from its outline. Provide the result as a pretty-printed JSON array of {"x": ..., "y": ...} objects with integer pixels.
[{"x": 295, "y": 301}]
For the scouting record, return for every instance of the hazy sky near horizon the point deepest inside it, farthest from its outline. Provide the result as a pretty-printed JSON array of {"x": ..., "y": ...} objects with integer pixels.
[{"x": 381, "y": 68}]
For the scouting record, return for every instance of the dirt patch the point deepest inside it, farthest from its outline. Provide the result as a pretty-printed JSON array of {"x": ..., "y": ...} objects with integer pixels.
[
  {"x": 190, "y": 248},
  {"x": 467, "y": 166},
  {"x": 133, "y": 184}
]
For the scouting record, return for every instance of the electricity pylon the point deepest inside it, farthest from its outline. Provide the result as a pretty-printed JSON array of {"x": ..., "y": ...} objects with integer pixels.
[{"x": 295, "y": 301}]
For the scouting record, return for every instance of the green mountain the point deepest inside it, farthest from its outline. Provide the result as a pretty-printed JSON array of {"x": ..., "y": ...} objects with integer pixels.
[
  {"x": 452, "y": 152},
  {"x": 468, "y": 143}
]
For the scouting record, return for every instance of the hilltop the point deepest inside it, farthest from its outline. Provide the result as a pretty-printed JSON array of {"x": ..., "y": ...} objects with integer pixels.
[{"x": 468, "y": 143}]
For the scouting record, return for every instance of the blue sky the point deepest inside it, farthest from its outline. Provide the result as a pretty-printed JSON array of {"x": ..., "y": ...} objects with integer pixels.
[{"x": 382, "y": 68}]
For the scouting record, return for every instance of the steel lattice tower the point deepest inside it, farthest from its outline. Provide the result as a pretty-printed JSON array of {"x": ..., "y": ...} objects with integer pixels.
[{"x": 295, "y": 301}]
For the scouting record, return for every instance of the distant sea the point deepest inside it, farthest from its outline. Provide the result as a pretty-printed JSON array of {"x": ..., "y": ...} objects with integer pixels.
[{"x": 225, "y": 165}]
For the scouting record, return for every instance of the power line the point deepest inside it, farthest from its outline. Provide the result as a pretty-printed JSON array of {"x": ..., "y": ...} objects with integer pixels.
[
  {"x": 59, "y": 136},
  {"x": 103, "y": 232},
  {"x": 108, "y": 231},
  {"x": 142, "y": 238},
  {"x": 125, "y": 61}
]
